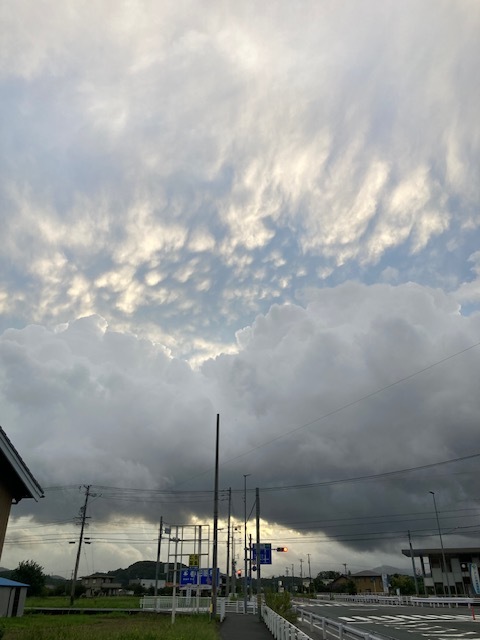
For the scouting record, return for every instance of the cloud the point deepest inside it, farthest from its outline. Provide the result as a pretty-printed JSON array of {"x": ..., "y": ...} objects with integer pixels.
[
  {"x": 148, "y": 138},
  {"x": 196, "y": 207},
  {"x": 300, "y": 403}
]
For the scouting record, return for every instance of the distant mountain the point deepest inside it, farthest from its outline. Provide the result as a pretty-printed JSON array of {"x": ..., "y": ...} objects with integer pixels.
[
  {"x": 143, "y": 569},
  {"x": 384, "y": 568}
]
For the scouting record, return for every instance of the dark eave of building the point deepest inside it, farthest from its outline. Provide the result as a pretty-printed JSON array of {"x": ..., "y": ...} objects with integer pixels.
[
  {"x": 453, "y": 551},
  {"x": 18, "y": 476}
]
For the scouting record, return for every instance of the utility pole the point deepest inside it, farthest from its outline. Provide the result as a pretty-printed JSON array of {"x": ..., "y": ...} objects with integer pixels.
[
  {"x": 83, "y": 516},
  {"x": 159, "y": 546},
  {"x": 293, "y": 578},
  {"x": 259, "y": 564},
  {"x": 250, "y": 586},
  {"x": 413, "y": 564},
  {"x": 227, "y": 586},
  {"x": 174, "y": 598},
  {"x": 445, "y": 568},
  {"x": 245, "y": 579},
  {"x": 345, "y": 566},
  {"x": 309, "y": 573},
  {"x": 215, "y": 528},
  {"x": 301, "y": 573}
]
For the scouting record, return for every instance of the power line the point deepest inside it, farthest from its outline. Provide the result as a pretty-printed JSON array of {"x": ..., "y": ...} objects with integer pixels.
[{"x": 347, "y": 405}]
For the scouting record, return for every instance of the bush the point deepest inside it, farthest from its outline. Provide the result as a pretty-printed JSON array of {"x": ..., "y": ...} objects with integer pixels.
[
  {"x": 31, "y": 573},
  {"x": 281, "y": 603}
]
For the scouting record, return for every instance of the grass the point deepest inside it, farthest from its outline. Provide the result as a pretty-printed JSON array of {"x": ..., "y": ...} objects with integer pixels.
[{"x": 112, "y": 626}]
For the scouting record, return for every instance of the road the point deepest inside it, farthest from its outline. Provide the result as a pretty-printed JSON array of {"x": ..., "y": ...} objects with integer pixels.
[{"x": 400, "y": 622}]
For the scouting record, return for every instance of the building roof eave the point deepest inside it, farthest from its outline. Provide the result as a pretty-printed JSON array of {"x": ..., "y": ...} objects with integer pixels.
[{"x": 31, "y": 487}]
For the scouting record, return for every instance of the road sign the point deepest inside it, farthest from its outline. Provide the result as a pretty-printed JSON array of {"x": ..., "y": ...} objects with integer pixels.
[
  {"x": 193, "y": 560},
  {"x": 190, "y": 576},
  {"x": 265, "y": 553}
]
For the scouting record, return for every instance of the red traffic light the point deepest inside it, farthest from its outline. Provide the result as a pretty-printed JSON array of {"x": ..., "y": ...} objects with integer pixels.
[
  {"x": 239, "y": 573},
  {"x": 282, "y": 548}
]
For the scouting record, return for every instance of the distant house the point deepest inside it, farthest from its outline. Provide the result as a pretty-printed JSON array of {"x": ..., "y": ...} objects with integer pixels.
[
  {"x": 364, "y": 582},
  {"x": 16, "y": 482},
  {"x": 12, "y": 598},
  {"x": 147, "y": 583},
  {"x": 101, "y": 584},
  {"x": 368, "y": 582}
]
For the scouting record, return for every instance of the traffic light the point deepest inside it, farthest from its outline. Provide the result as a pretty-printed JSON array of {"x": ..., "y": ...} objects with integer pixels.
[
  {"x": 282, "y": 548},
  {"x": 239, "y": 573}
]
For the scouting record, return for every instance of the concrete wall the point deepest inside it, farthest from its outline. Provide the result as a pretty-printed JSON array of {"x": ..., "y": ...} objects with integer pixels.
[
  {"x": 12, "y": 601},
  {"x": 5, "y": 504}
]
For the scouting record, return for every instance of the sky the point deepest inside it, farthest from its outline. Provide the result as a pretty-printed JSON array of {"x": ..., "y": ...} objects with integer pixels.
[{"x": 266, "y": 212}]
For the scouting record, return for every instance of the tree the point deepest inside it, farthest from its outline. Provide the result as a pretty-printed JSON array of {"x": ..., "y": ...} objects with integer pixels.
[
  {"x": 406, "y": 584},
  {"x": 31, "y": 573},
  {"x": 323, "y": 580}
]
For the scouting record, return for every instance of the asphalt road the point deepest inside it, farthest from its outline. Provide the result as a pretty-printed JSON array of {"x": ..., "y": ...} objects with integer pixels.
[{"x": 399, "y": 622}]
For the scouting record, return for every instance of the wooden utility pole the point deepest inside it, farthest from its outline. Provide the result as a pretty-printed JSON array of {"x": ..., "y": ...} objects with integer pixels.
[
  {"x": 259, "y": 563},
  {"x": 83, "y": 517},
  {"x": 215, "y": 528},
  {"x": 157, "y": 564},
  {"x": 413, "y": 565},
  {"x": 227, "y": 586}
]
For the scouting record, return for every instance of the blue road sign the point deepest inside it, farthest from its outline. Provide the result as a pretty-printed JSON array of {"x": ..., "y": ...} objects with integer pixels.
[
  {"x": 190, "y": 576},
  {"x": 265, "y": 553}
]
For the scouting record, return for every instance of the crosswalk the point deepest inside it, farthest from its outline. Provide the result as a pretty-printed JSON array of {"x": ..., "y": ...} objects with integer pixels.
[
  {"x": 434, "y": 626},
  {"x": 428, "y": 626}
]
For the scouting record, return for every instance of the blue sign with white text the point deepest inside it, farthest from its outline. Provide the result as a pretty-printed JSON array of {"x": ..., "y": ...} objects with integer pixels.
[
  {"x": 190, "y": 576},
  {"x": 265, "y": 553}
]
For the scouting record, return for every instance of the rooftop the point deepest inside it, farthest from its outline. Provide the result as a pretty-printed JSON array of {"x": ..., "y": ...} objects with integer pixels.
[{"x": 20, "y": 480}]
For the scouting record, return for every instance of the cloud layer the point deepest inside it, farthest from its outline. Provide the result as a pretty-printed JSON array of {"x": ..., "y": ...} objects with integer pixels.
[
  {"x": 312, "y": 396},
  {"x": 266, "y": 212},
  {"x": 179, "y": 171}
]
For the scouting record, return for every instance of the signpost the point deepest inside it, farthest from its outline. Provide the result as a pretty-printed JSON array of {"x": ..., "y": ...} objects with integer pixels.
[
  {"x": 193, "y": 560},
  {"x": 190, "y": 576},
  {"x": 265, "y": 553}
]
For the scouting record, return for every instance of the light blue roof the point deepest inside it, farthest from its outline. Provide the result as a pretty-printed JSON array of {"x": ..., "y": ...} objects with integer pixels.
[{"x": 5, "y": 582}]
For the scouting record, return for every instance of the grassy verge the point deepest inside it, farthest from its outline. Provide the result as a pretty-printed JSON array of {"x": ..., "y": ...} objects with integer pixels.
[{"x": 113, "y": 626}]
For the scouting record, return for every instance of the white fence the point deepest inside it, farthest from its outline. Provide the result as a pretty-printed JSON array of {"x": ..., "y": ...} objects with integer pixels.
[
  {"x": 186, "y": 605},
  {"x": 280, "y": 628},
  {"x": 237, "y": 606}
]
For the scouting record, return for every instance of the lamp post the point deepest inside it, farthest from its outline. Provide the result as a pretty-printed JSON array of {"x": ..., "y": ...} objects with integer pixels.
[
  {"x": 441, "y": 544},
  {"x": 245, "y": 476}
]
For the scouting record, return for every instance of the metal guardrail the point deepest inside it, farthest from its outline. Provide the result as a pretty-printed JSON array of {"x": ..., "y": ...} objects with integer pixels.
[
  {"x": 445, "y": 602},
  {"x": 372, "y": 597},
  {"x": 431, "y": 601}
]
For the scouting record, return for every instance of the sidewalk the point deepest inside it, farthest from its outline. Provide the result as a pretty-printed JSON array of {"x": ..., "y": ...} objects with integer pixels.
[{"x": 238, "y": 626}]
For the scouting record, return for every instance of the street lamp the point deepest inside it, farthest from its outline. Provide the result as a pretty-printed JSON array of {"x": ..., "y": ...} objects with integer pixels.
[
  {"x": 441, "y": 543},
  {"x": 245, "y": 476}
]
